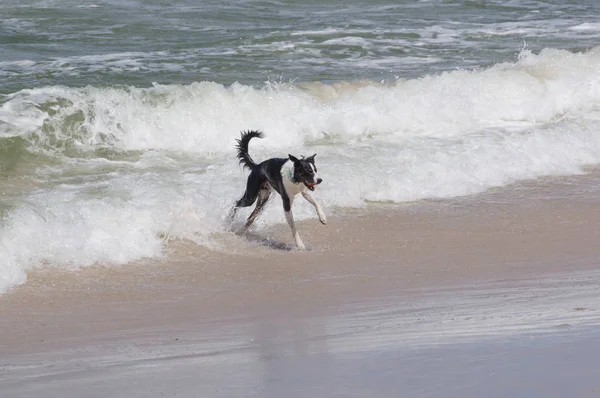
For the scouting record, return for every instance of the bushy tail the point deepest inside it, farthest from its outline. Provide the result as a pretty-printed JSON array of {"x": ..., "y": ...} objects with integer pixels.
[{"x": 242, "y": 147}]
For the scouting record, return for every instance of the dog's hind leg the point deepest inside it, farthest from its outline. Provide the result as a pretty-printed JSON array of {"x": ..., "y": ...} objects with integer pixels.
[
  {"x": 287, "y": 207},
  {"x": 252, "y": 188},
  {"x": 263, "y": 197}
]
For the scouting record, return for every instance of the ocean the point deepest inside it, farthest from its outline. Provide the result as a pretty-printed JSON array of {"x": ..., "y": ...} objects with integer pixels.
[{"x": 118, "y": 119}]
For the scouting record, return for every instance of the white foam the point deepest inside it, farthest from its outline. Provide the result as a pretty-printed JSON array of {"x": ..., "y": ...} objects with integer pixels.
[
  {"x": 587, "y": 27},
  {"x": 348, "y": 41},
  {"x": 76, "y": 65},
  {"x": 116, "y": 219},
  {"x": 205, "y": 117},
  {"x": 457, "y": 133}
]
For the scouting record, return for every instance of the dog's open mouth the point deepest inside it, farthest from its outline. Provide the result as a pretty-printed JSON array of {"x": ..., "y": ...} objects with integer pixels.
[{"x": 310, "y": 186}]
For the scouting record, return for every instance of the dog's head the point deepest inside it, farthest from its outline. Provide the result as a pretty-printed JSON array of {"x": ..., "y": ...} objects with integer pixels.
[{"x": 305, "y": 171}]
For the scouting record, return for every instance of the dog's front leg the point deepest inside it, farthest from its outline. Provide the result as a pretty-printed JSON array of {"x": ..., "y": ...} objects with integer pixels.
[
  {"x": 287, "y": 207},
  {"x": 312, "y": 201}
]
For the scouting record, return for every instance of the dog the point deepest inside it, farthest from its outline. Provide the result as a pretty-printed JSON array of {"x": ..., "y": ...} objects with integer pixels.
[{"x": 286, "y": 176}]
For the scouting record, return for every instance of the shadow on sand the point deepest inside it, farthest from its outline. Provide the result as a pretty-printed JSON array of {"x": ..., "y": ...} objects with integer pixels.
[{"x": 266, "y": 242}]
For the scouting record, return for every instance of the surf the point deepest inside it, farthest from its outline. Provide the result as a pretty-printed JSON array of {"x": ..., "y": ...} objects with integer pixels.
[{"x": 101, "y": 174}]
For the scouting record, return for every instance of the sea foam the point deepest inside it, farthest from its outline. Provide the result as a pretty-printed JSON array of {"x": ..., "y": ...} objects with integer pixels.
[{"x": 130, "y": 166}]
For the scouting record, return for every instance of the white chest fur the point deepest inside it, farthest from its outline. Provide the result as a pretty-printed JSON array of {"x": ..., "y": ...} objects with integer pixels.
[{"x": 287, "y": 176}]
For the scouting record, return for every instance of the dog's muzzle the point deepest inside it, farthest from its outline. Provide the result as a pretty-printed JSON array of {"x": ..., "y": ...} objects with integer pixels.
[{"x": 312, "y": 186}]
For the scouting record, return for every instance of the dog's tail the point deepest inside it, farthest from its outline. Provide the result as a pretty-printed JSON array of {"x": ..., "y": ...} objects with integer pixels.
[{"x": 242, "y": 147}]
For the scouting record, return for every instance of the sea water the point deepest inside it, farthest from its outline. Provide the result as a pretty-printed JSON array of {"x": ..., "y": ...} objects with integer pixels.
[{"x": 118, "y": 119}]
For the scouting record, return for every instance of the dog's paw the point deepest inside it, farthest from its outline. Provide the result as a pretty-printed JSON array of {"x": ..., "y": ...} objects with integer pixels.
[
  {"x": 323, "y": 219},
  {"x": 300, "y": 246}
]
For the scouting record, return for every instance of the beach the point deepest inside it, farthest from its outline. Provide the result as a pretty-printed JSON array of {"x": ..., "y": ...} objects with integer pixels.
[
  {"x": 458, "y": 147},
  {"x": 429, "y": 300}
]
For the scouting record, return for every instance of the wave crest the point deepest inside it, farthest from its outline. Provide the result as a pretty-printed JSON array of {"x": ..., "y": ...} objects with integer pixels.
[{"x": 205, "y": 117}]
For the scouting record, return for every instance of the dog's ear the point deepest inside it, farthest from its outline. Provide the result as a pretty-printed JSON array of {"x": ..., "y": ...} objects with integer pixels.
[
  {"x": 311, "y": 158},
  {"x": 293, "y": 158}
]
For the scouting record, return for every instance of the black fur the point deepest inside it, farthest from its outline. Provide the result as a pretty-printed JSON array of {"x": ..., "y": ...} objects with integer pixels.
[{"x": 242, "y": 148}]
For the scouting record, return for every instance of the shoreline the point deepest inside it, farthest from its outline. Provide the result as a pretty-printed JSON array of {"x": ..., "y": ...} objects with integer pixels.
[
  {"x": 417, "y": 288},
  {"x": 371, "y": 253}
]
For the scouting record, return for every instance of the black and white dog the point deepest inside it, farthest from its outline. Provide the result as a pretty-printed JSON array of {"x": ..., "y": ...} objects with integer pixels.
[{"x": 287, "y": 176}]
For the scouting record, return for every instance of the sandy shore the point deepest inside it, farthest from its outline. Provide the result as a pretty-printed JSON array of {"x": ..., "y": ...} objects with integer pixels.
[{"x": 381, "y": 291}]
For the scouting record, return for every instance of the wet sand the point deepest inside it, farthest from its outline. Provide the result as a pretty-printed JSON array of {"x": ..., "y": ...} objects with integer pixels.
[{"x": 446, "y": 298}]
